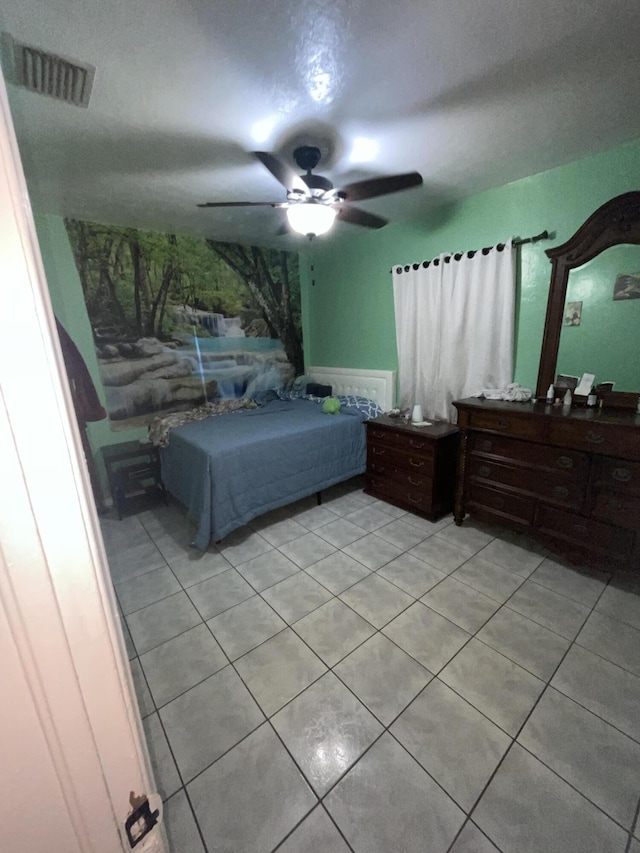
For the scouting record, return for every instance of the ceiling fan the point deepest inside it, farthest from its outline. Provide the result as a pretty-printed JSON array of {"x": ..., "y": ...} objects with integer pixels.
[{"x": 313, "y": 203}]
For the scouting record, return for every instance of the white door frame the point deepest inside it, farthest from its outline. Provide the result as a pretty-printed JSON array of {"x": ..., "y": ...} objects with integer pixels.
[{"x": 71, "y": 742}]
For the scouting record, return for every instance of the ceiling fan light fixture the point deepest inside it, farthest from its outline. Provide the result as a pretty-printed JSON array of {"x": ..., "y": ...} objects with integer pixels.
[{"x": 311, "y": 218}]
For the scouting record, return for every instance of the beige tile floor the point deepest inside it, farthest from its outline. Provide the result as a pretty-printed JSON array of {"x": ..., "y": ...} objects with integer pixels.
[{"x": 353, "y": 677}]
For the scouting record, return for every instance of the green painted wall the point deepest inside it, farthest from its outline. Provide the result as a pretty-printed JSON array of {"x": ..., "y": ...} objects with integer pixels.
[
  {"x": 347, "y": 300},
  {"x": 346, "y": 285}
]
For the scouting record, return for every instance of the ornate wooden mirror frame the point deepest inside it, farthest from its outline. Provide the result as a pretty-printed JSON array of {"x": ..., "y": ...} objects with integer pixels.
[{"x": 616, "y": 222}]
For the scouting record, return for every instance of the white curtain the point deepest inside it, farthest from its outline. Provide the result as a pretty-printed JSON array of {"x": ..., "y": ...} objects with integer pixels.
[{"x": 454, "y": 329}]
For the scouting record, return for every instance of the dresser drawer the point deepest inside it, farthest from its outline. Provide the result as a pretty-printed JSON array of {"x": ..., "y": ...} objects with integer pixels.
[
  {"x": 587, "y": 533},
  {"x": 550, "y": 486},
  {"x": 502, "y": 504},
  {"x": 410, "y": 496},
  {"x": 507, "y": 424},
  {"x": 570, "y": 462},
  {"x": 601, "y": 438},
  {"x": 617, "y": 474},
  {"x": 618, "y": 509},
  {"x": 419, "y": 461}
]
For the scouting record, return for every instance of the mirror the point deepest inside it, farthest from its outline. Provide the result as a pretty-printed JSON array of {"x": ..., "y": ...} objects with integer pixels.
[
  {"x": 587, "y": 330},
  {"x": 601, "y": 323}
]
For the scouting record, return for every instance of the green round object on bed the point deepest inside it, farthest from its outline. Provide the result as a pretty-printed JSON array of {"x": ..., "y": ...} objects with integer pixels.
[{"x": 331, "y": 406}]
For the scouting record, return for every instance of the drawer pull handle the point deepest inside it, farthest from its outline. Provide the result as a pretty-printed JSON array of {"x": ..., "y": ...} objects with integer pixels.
[
  {"x": 417, "y": 443},
  {"x": 377, "y": 433},
  {"x": 580, "y": 528},
  {"x": 379, "y": 451},
  {"x": 377, "y": 483},
  {"x": 484, "y": 470},
  {"x": 622, "y": 475},
  {"x": 379, "y": 468},
  {"x": 486, "y": 444},
  {"x": 414, "y": 482},
  {"x": 564, "y": 462},
  {"x": 413, "y": 499},
  {"x": 502, "y": 424},
  {"x": 594, "y": 437},
  {"x": 560, "y": 492},
  {"x": 418, "y": 464}
]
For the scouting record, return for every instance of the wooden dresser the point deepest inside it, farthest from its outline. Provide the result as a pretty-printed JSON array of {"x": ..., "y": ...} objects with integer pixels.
[
  {"x": 571, "y": 478},
  {"x": 412, "y": 467}
]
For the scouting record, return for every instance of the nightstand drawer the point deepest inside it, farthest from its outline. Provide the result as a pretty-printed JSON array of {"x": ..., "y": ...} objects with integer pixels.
[
  {"x": 421, "y": 461},
  {"x": 404, "y": 440},
  {"x": 407, "y": 495},
  {"x": 412, "y": 467}
]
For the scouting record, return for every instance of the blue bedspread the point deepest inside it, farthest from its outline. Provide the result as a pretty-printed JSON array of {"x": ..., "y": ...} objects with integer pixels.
[{"x": 229, "y": 469}]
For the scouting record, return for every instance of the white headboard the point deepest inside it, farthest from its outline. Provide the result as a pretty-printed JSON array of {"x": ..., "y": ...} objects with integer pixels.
[{"x": 378, "y": 385}]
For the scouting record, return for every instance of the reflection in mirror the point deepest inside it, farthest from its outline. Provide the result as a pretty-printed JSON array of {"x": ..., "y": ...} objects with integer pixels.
[{"x": 601, "y": 334}]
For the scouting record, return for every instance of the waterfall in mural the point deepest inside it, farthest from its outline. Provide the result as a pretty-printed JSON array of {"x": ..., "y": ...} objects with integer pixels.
[{"x": 178, "y": 321}]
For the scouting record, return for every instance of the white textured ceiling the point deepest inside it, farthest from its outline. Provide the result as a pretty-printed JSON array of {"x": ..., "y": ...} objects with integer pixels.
[{"x": 471, "y": 93}]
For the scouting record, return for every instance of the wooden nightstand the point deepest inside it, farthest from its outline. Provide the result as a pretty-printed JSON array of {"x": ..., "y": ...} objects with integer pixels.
[
  {"x": 133, "y": 471},
  {"x": 412, "y": 467}
]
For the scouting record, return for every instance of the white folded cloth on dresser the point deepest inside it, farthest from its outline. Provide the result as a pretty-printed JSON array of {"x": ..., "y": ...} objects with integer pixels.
[{"x": 513, "y": 393}]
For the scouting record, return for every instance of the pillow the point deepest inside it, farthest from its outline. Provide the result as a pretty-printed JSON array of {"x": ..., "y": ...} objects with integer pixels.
[
  {"x": 299, "y": 385},
  {"x": 369, "y": 408},
  {"x": 331, "y": 406}
]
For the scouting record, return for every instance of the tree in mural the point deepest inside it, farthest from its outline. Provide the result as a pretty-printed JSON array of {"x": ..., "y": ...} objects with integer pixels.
[
  {"x": 130, "y": 277},
  {"x": 267, "y": 275},
  {"x": 153, "y": 299}
]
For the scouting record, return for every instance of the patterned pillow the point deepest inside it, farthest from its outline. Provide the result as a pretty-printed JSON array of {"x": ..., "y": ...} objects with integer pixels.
[
  {"x": 369, "y": 408},
  {"x": 286, "y": 395}
]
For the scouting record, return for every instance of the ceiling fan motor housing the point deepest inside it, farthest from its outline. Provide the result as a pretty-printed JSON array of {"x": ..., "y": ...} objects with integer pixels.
[{"x": 307, "y": 157}]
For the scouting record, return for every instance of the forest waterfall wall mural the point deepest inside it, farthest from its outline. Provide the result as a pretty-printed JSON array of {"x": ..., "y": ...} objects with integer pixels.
[{"x": 178, "y": 321}]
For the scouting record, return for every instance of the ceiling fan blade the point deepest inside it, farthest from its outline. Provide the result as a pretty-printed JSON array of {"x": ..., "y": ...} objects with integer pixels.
[
  {"x": 281, "y": 172},
  {"x": 361, "y": 190},
  {"x": 359, "y": 217},
  {"x": 244, "y": 204}
]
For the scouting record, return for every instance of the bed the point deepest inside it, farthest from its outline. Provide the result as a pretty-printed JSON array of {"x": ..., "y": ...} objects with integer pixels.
[{"x": 229, "y": 469}]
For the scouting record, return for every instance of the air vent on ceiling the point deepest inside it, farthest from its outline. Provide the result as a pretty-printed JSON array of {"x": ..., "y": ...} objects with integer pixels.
[{"x": 49, "y": 74}]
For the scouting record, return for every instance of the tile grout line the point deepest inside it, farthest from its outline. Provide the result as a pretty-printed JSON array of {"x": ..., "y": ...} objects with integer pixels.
[
  {"x": 524, "y": 723},
  {"x": 385, "y": 728},
  {"x": 634, "y": 825}
]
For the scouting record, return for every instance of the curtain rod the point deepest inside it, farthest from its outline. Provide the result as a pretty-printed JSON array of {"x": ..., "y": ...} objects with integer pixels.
[{"x": 543, "y": 235}]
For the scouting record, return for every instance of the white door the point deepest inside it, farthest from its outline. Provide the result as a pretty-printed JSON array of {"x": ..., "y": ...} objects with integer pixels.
[{"x": 71, "y": 750}]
